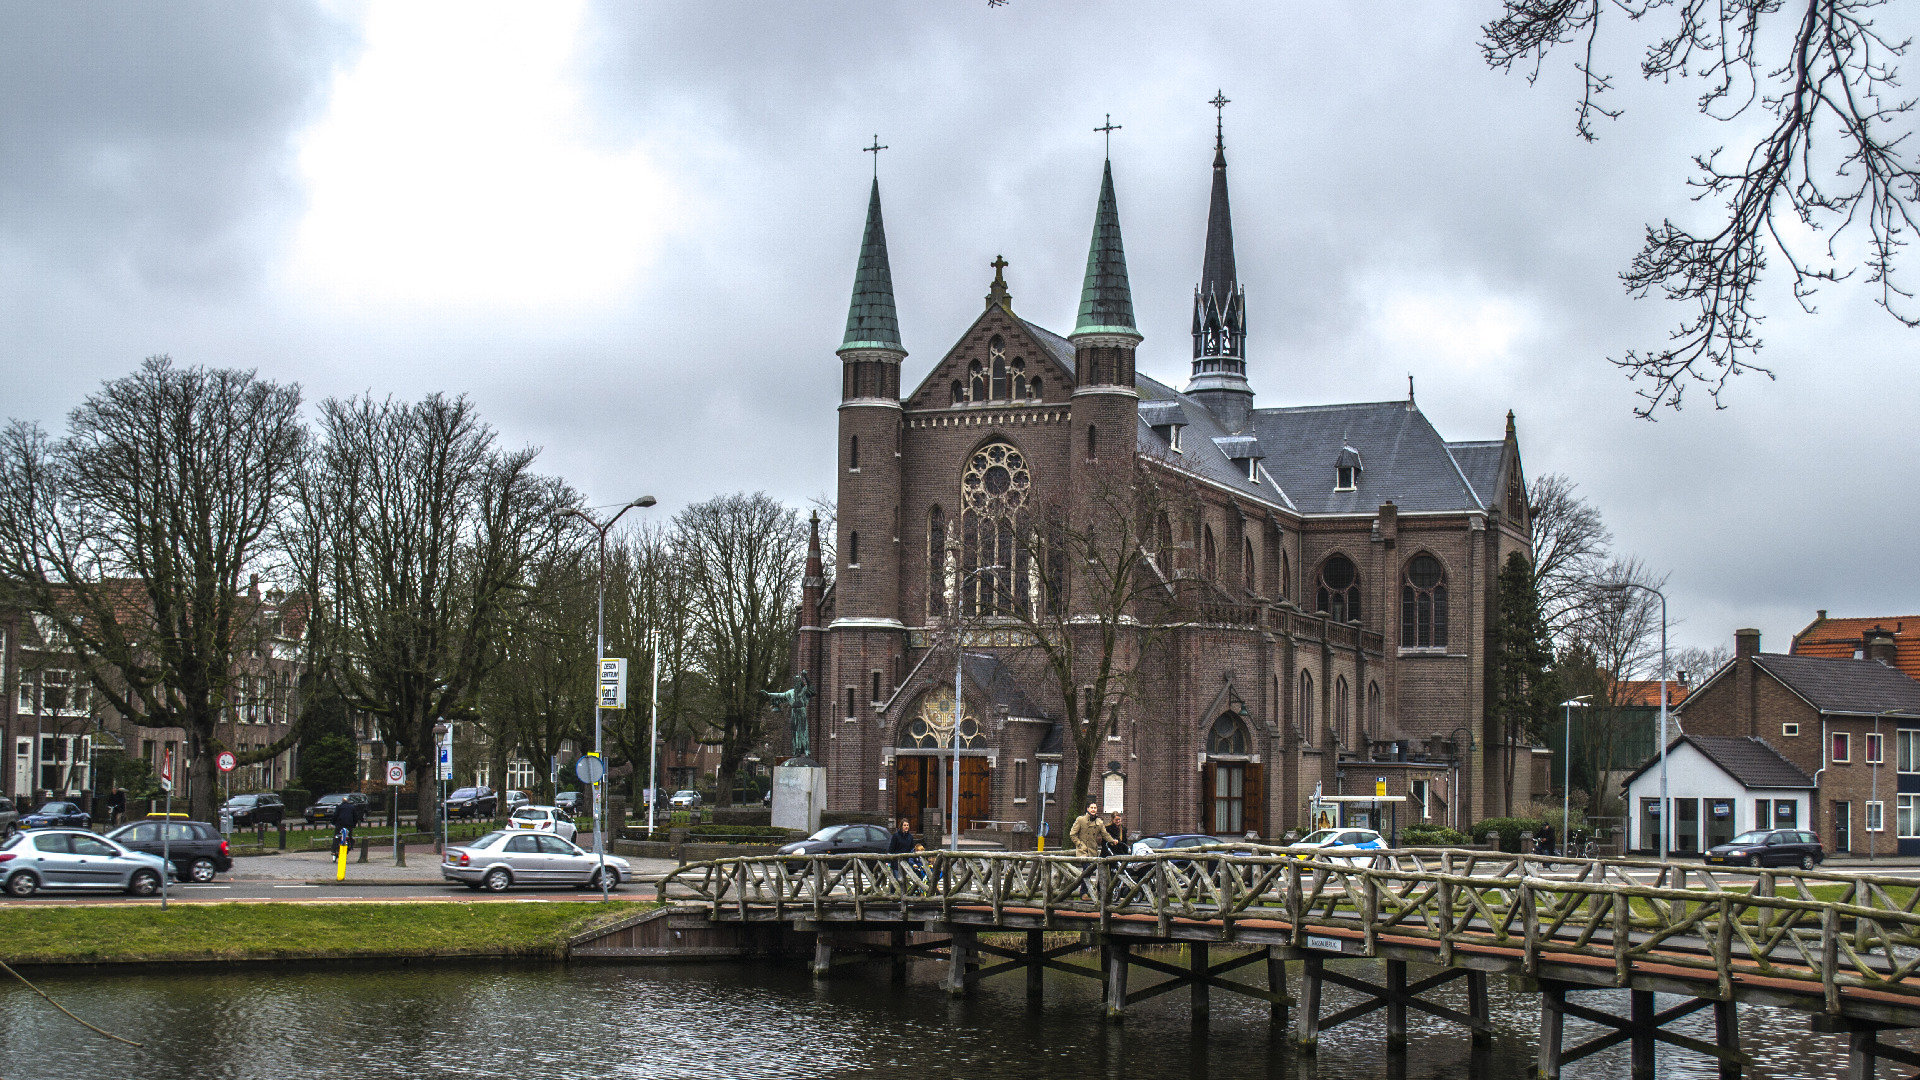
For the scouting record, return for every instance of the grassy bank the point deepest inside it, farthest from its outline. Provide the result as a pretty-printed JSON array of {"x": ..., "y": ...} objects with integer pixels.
[{"x": 231, "y": 932}]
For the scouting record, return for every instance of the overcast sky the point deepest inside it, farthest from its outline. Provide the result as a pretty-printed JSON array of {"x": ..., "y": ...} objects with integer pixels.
[{"x": 629, "y": 233}]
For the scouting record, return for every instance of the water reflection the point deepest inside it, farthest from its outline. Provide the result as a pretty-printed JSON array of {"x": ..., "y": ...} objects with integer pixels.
[{"x": 768, "y": 1021}]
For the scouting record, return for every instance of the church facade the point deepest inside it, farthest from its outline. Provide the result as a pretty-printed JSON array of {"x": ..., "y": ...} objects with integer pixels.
[{"x": 1343, "y": 558}]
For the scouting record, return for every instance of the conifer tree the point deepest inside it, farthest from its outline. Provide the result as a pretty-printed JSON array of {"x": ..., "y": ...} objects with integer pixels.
[{"x": 1518, "y": 686}]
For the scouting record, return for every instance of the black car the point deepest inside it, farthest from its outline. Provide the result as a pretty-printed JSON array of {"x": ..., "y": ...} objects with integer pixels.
[
  {"x": 480, "y": 802},
  {"x": 1769, "y": 847},
  {"x": 323, "y": 808},
  {"x": 569, "y": 801},
  {"x": 54, "y": 815},
  {"x": 197, "y": 849},
  {"x": 251, "y": 810},
  {"x": 842, "y": 839}
]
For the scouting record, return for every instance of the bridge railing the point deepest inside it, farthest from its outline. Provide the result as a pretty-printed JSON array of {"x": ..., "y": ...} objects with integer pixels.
[{"x": 1836, "y": 930}]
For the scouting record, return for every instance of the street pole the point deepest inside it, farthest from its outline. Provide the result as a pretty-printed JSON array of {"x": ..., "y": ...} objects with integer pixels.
[
  {"x": 1566, "y": 769},
  {"x": 1666, "y": 811},
  {"x": 653, "y": 738},
  {"x": 959, "y": 663}
]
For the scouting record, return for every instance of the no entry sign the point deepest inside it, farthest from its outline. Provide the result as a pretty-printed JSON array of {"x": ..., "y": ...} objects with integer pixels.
[{"x": 225, "y": 761}]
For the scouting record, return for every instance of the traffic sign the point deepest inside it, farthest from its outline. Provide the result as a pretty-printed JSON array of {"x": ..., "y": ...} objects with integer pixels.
[
  {"x": 1049, "y": 777},
  {"x": 1379, "y": 787},
  {"x": 590, "y": 769},
  {"x": 396, "y": 773},
  {"x": 225, "y": 761},
  {"x": 613, "y": 683},
  {"x": 166, "y": 772},
  {"x": 446, "y": 762}
]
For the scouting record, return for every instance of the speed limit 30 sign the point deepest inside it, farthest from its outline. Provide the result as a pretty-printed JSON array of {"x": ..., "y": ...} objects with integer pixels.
[{"x": 396, "y": 773}]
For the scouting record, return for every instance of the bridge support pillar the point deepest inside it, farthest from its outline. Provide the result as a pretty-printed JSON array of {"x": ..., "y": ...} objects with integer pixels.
[
  {"x": 1308, "y": 1033},
  {"x": 1641, "y": 1041},
  {"x": 898, "y": 939},
  {"x": 1197, "y": 990},
  {"x": 1117, "y": 956},
  {"x": 822, "y": 954},
  {"x": 1036, "y": 972},
  {"x": 1553, "y": 1004},
  {"x": 1277, "y": 986},
  {"x": 1726, "y": 1033},
  {"x": 1397, "y": 1006},
  {"x": 959, "y": 953},
  {"x": 1478, "y": 1009},
  {"x": 1862, "y": 1061}
]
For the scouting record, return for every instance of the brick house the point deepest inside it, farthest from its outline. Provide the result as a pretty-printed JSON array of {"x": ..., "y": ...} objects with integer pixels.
[
  {"x": 1346, "y": 556},
  {"x": 1852, "y": 725},
  {"x": 1856, "y": 639}
]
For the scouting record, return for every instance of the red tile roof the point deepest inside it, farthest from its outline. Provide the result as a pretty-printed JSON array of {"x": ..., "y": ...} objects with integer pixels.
[
  {"x": 1840, "y": 639},
  {"x": 1646, "y": 692}
]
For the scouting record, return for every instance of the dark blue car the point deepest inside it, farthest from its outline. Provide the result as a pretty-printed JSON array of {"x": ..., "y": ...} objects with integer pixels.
[{"x": 57, "y": 815}]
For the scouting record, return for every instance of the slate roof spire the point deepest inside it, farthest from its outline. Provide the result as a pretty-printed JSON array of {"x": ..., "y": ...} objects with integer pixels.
[
  {"x": 1106, "y": 300},
  {"x": 871, "y": 320},
  {"x": 1220, "y": 306}
]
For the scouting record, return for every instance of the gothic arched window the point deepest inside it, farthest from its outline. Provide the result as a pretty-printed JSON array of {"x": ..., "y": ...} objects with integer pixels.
[
  {"x": 994, "y": 493},
  {"x": 933, "y": 727},
  {"x": 1342, "y": 717},
  {"x": 1209, "y": 558},
  {"x": 1373, "y": 708},
  {"x": 1306, "y": 705},
  {"x": 1163, "y": 537},
  {"x": 959, "y": 392},
  {"x": 976, "y": 382},
  {"x": 1423, "y": 604},
  {"x": 1249, "y": 572},
  {"x": 1228, "y": 737},
  {"x": 1340, "y": 589},
  {"x": 936, "y": 561},
  {"x": 1034, "y": 388},
  {"x": 853, "y": 549},
  {"x": 1019, "y": 369}
]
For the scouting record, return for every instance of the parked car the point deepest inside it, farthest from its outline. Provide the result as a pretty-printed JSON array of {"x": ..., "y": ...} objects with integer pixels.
[
  {"x": 197, "y": 849},
  {"x": 469, "y": 802},
  {"x": 548, "y": 819},
  {"x": 1341, "y": 845},
  {"x": 685, "y": 800},
  {"x": 842, "y": 839},
  {"x": 514, "y": 800},
  {"x": 251, "y": 810},
  {"x": 9, "y": 817},
  {"x": 569, "y": 801},
  {"x": 322, "y": 810},
  {"x": 53, "y": 815},
  {"x": 500, "y": 860},
  {"x": 1770, "y": 847},
  {"x": 54, "y": 858},
  {"x": 1147, "y": 845}
]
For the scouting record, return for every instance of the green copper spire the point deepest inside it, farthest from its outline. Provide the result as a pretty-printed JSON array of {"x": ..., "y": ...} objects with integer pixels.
[
  {"x": 1106, "y": 303},
  {"x": 871, "y": 322}
]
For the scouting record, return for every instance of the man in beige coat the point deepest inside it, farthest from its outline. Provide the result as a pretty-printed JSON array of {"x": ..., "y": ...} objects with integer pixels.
[{"x": 1087, "y": 834}]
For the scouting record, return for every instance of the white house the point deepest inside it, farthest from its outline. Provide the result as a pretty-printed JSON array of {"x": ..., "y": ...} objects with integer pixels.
[{"x": 1717, "y": 785}]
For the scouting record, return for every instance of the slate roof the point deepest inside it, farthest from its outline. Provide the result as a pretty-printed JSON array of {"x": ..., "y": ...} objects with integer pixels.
[
  {"x": 1748, "y": 759},
  {"x": 995, "y": 679},
  {"x": 1405, "y": 459},
  {"x": 1480, "y": 463},
  {"x": 871, "y": 320},
  {"x": 1060, "y": 347},
  {"x": 1106, "y": 300},
  {"x": 1200, "y": 450},
  {"x": 1837, "y": 639},
  {"x": 1847, "y": 687}
]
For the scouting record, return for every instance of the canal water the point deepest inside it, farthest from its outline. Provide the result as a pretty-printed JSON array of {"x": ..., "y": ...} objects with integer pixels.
[{"x": 737, "y": 1020}]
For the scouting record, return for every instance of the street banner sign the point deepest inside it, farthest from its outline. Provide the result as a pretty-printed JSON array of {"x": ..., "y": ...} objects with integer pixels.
[
  {"x": 166, "y": 772},
  {"x": 590, "y": 769},
  {"x": 613, "y": 683},
  {"x": 1049, "y": 777},
  {"x": 396, "y": 773},
  {"x": 225, "y": 761}
]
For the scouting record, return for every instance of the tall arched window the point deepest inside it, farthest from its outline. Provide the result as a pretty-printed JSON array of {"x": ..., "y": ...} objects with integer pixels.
[
  {"x": 1033, "y": 388},
  {"x": 1373, "y": 708},
  {"x": 1001, "y": 389},
  {"x": 1306, "y": 706},
  {"x": 936, "y": 561},
  {"x": 1342, "y": 718},
  {"x": 976, "y": 382},
  {"x": 1163, "y": 536},
  {"x": 959, "y": 392},
  {"x": 1340, "y": 589},
  {"x": 994, "y": 492},
  {"x": 1019, "y": 369},
  {"x": 1249, "y": 572},
  {"x": 853, "y": 451},
  {"x": 1093, "y": 442},
  {"x": 1423, "y": 604},
  {"x": 1286, "y": 577},
  {"x": 1209, "y": 557},
  {"x": 853, "y": 549}
]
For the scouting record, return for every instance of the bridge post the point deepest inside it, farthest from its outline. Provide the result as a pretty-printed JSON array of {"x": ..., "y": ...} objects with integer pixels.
[
  {"x": 1396, "y": 1006},
  {"x": 959, "y": 951},
  {"x": 1862, "y": 1063},
  {"x": 1478, "y": 1009},
  {"x": 822, "y": 954},
  {"x": 1308, "y": 1034},
  {"x": 1117, "y": 956},
  {"x": 1726, "y": 1031},
  {"x": 1553, "y": 1001},
  {"x": 1276, "y": 985},
  {"x": 898, "y": 938},
  {"x": 1641, "y": 1041},
  {"x": 1197, "y": 990},
  {"x": 1036, "y": 971}
]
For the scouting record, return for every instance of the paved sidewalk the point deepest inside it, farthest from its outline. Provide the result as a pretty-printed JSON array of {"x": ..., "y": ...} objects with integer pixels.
[{"x": 423, "y": 867}]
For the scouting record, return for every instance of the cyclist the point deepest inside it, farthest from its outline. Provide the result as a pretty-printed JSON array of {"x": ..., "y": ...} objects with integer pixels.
[{"x": 344, "y": 819}]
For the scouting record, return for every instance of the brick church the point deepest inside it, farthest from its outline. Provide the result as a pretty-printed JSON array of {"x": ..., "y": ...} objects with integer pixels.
[{"x": 1344, "y": 558}]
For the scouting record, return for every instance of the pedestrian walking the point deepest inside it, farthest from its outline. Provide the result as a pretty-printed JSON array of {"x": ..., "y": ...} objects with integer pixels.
[
  {"x": 1089, "y": 836},
  {"x": 1115, "y": 842},
  {"x": 901, "y": 843},
  {"x": 117, "y": 804}
]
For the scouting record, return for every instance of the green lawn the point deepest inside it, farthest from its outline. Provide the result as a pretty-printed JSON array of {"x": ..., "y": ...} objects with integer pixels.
[{"x": 102, "y": 934}]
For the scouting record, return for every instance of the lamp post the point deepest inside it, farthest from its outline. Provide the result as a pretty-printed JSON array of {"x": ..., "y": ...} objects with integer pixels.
[
  {"x": 599, "y": 654},
  {"x": 1566, "y": 768},
  {"x": 1619, "y": 589},
  {"x": 959, "y": 664}
]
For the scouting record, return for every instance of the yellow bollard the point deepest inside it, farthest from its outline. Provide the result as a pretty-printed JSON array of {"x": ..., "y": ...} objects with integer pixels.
[{"x": 340, "y": 872}]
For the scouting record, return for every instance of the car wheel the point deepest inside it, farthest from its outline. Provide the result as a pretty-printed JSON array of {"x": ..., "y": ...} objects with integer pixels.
[
  {"x": 201, "y": 870},
  {"x": 143, "y": 883},
  {"x": 1806, "y": 862},
  {"x": 497, "y": 880},
  {"x": 23, "y": 884},
  {"x": 613, "y": 879}
]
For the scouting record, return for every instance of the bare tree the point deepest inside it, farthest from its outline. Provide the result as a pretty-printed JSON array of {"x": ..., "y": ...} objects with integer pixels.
[
  {"x": 743, "y": 556},
  {"x": 1698, "y": 664},
  {"x": 1570, "y": 545},
  {"x": 1618, "y": 634},
  {"x": 135, "y": 534},
  {"x": 1830, "y": 75},
  {"x": 650, "y": 613},
  {"x": 425, "y": 538}
]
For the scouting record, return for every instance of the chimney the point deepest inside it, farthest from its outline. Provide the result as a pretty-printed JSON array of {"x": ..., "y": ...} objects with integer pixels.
[
  {"x": 1878, "y": 644},
  {"x": 1745, "y": 643}
]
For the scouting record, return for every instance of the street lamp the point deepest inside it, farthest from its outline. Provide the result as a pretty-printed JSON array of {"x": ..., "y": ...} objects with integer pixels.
[
  {"x": 1619, "y": 589},
  {"x": 1566, "y": 768},
  {"x": 959, "y": 663},
  {"x": 599, "y": 654}
]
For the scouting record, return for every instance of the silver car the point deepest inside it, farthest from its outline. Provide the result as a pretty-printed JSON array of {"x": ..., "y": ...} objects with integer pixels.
[
  {"x": 75, "y": 859},
  {"x": 500, "y": 860}
]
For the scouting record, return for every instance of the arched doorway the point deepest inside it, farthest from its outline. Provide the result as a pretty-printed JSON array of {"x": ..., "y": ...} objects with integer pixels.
[
  {"x": 923, "y": 764},
  {"x": 1233, "y": 795}
]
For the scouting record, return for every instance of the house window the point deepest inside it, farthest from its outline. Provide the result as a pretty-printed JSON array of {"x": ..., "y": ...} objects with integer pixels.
[
  {"x": 1340, "y": 589},
  {"x": 1874, "y": 749},
  {"x": 1906, "y": 820},
  {"x": 1842, "y": 748},
  {"x": 1418, "y": 791},
  {"x": 1790, "y": 730},
  {"x": 1876, "y": 816},
  {"x": 1906, "y": 748},
  {"x": 1423, "y": 604},
  {"x": 1343, "y": 478},
  {"x": 1019, "y": 780},
  {"x": 1253, "y": 469}
]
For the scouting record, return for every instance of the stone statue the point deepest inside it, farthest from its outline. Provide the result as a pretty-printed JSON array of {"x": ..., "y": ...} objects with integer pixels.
[{"x": 794, "y": 703}]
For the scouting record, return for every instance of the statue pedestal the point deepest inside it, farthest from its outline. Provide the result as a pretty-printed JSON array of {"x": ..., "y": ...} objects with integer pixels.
[{"x": 799, "y": 795}]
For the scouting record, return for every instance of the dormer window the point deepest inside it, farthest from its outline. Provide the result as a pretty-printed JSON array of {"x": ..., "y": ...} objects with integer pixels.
[
  {"x": 1253, "y": 469},
  {"x": 1343, "y": 478},
  {"x": 1346, "y": 469},
  {"x": 1173, "y": 436}
]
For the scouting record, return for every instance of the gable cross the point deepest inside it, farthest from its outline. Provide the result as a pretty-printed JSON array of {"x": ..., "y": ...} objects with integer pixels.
[
  {"x": 1108, "y": 132},
  {"x": 875, "y": 151}
]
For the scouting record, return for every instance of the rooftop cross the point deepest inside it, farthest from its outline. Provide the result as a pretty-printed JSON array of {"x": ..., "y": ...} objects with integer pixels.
[
  {"x": 1108, "y": 132},
  {"x": 875, "y": 151},
  {"x": 1219, "y": 103}
]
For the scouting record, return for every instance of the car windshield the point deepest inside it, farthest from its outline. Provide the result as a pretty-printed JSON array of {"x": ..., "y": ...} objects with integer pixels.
[
  {"x": 56, "y": 808},
  {"x": 1154, "y": 842},
  {"x": 1757, "y": 837},
  {"x": 464, "y": 793},
  {"x": 1321, "y": 837},
  {"x": 329, "y": 800},
  {"x": 243, "y": 800},
  {"x": 682, "y": 794},
  {"x": 830, "y": 832}
]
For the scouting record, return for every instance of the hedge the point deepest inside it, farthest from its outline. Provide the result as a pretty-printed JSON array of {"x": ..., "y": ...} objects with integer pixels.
[
  {"x": 1430, "y": 835},
  {"x": 1509, "y": 830}
]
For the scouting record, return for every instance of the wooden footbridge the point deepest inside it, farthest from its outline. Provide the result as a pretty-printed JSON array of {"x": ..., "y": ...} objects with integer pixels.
[{"x": 1844, "y": 948}]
